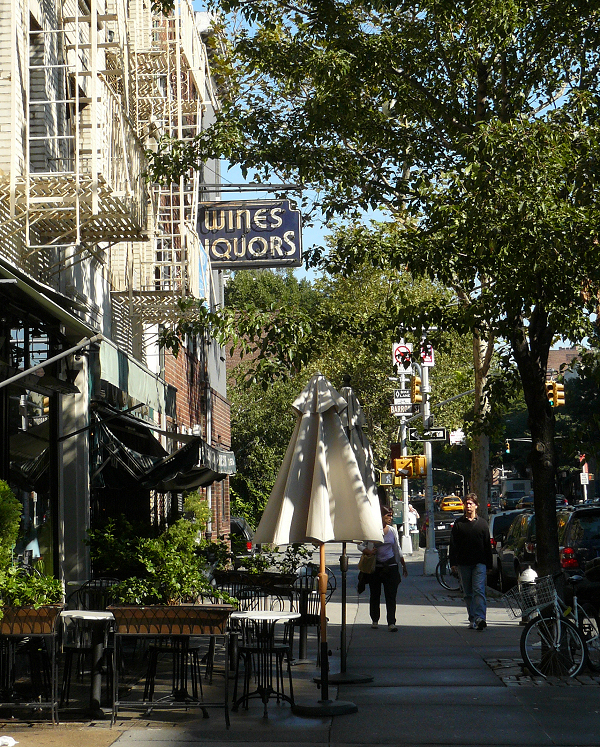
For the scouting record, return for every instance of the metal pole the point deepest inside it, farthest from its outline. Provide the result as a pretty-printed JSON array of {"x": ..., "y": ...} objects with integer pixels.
[
  {"x": 431, "y": 554},
  {"x": 406, "y": 542},
  {"x": 344, "y": 570}
]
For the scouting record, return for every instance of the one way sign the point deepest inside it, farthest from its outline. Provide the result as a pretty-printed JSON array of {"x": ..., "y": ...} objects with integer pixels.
[{"x": 429, "y": 434}]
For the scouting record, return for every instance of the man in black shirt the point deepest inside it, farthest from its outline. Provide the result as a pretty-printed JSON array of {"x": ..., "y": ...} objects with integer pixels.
[{"x": 471, "y": 556}]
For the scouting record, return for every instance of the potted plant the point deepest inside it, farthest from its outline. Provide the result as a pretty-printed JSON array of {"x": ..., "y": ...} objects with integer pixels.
[
  {"x": 29, "y": 601},
  {"x": 171, "y": 578}
]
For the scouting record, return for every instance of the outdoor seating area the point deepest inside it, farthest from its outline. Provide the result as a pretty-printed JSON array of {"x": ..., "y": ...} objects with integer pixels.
[{"x": 93, "y": 658}]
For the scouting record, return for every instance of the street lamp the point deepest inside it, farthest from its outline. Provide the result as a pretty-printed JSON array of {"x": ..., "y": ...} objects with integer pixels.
[{"x": 450, "y": 472}]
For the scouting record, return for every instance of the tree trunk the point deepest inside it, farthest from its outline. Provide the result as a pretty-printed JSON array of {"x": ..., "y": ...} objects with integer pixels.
[
  {"x": 532, "y": 361},
  {"x": 480, "y": 450},
  {"x": 480, "y": 459}
]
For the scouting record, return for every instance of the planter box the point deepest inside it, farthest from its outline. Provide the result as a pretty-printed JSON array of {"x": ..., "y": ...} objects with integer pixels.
[
  {"x": 183, "y": 619},
  {"x": 29, "y": 621},
  {"x": 266, "y": 580}
]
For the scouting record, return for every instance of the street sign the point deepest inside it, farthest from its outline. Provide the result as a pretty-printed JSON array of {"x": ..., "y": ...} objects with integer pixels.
[
  {"x": 427, "y": 356},
  {"x": 401, "y": 409},
  {"x": 401, "y": 396},
  {"x": 401, "y": 354},
  {"x": 430, "y": 434},
  {"x": 584, "y": 478}
]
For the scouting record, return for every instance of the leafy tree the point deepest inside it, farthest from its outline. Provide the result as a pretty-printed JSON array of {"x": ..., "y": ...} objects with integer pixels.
[
  {"x": 475, "y": 125},
  {"x": 351, "y": 337}
]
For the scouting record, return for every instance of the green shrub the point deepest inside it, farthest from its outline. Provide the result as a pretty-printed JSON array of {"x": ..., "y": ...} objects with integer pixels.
[
  {"x": 19, "y": 589},
  {"x": 10, "y": 520}
]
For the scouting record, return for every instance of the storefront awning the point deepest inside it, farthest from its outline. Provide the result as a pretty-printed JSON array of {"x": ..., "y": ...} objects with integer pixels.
[
  {"x": 194, "y": 465},
  {"x": 126, "y": 448},
  {"x": 41, "y": 300},
  {"x": 129, "y": 375}
]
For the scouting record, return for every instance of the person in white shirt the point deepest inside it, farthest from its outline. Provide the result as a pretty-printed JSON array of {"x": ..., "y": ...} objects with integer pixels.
[{"x": 386, "y": 573}]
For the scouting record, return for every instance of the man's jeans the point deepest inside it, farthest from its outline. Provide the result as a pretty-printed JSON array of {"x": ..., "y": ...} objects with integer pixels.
[{"x": 473, "y": 581}]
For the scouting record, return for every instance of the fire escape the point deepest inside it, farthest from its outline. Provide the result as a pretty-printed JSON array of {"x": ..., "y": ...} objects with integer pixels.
[{"x": 172, "y": 89}]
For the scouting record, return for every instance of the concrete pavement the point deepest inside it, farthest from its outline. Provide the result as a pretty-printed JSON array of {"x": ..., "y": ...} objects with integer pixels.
[{"x": 435, "y": 682}]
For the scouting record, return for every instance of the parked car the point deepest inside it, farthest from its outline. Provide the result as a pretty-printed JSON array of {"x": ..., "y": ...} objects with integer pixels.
[
  {"x": 526, "y": 501},
  {"x": 579, "y": 541},
  {"x": 517, "y": 551},
  {"x": 443, "y": 521},
  {"x": 451, "y": 503},
  {"x": 242, "y": 537},
  {"x": 499, "y": 525},
  {"x": 510, "y": 499},
  {"x": 561, "y": 501}
]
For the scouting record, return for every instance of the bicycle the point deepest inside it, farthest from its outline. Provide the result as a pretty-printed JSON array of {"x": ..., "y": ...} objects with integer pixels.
[
  {"x": 585, "y": 618},
  {"x": 551, "y": 643},
  {"x": 444, "y": 574}
]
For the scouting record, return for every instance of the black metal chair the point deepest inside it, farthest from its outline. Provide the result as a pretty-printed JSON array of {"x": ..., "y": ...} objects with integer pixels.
[{"x": 308, "y": 604}]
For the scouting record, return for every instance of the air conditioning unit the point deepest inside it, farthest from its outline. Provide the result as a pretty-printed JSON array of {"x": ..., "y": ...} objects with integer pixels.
[{"x": 197, "y": 430}]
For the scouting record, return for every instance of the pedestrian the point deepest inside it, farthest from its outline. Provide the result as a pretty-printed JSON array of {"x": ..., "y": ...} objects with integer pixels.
[
  {"x": 413, "y": 527},
  {"x": 387, "y": 572},
  {"x": 471, "y": 556}
]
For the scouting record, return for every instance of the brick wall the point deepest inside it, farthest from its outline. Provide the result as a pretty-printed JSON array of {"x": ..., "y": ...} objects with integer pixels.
[{"x": 187, "y": 373}]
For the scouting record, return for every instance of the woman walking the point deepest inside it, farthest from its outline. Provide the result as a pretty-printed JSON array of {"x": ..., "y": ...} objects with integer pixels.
[{"x": 387, "y": 572}]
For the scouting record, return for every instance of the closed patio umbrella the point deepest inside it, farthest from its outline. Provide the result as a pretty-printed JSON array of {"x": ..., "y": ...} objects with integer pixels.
[
  {"x": 319, "y": 496},
  {"x": 354, "y": 421}
]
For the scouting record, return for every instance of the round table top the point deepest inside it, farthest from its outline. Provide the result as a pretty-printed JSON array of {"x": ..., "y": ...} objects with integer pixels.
[
  {"x": 87, "y": 614},
  {"x": 266, "y": 615}
]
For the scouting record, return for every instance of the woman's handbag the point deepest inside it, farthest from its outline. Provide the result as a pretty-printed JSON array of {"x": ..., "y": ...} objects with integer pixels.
[{"x": 366, "y": 563}]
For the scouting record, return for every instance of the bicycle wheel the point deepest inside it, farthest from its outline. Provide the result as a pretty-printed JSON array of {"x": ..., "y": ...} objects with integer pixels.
[
  {"x": 553, "y": 647},
  {"x": 590, "y": 629},
  {"x": 446, "y": 578}
]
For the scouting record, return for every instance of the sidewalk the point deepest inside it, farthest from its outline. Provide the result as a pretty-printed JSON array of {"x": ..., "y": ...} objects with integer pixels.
[{"x": 435, "y": 682}]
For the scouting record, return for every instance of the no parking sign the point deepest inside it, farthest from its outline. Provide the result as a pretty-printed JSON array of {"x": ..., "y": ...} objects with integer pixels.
[{"x": 402, "y": 354}]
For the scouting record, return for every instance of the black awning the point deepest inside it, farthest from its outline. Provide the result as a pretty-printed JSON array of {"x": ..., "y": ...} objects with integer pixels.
[
  {"x": 194, "y": 465},
  {"x": 125, "y": 447}
]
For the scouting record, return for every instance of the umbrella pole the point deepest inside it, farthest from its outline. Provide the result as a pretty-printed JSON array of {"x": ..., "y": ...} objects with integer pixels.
[
  {"x": 324, "y": 707},
  {"x": 324, "y": 653},
  {"x": 343, "y": 677}
]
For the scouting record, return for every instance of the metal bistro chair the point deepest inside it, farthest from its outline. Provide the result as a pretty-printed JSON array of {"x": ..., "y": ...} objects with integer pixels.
[{"x": 95, "y": 594}]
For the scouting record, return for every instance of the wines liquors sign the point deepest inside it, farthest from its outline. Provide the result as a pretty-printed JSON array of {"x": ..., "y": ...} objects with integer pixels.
[{"x": 251, "y": 234}]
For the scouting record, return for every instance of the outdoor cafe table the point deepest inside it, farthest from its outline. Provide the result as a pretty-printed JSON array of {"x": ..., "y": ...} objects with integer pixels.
[
  {"x": 164, "y": 625},
  {"x": 97, "y": 622},
  {"x": 262, "y": 624}
]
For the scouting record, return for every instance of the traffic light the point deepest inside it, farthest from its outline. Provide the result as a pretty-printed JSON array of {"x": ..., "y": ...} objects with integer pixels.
[
  {"x": 46, "y": 406},
  {"x": 415, "y": 390},
  {"x": 410, "y": 466},
  {"x": 507, "y": 446},
  {"x": 558, "y": 394},
  {"x": 403, "y": 466},
  {"x": 419, "y": 465},
  {"x": 555, "y": 393}
]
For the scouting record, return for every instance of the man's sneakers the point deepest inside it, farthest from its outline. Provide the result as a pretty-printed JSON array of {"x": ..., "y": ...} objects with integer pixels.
[
  {"x": 374, "y": 625},
  {"x": 392, "y": 628},
  {"x": 479, "y": 624}
]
